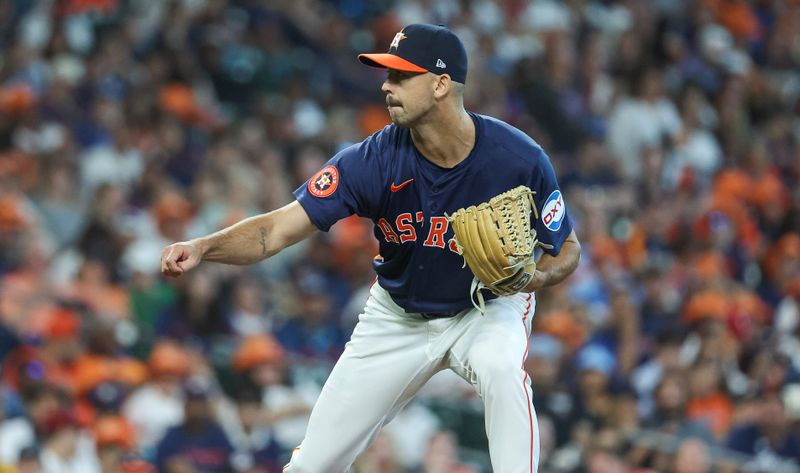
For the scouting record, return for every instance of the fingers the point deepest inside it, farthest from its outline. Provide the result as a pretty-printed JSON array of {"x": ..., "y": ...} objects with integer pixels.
[
  {"x": 168, "y": 262},
  {"x": 171, "y": 258}
]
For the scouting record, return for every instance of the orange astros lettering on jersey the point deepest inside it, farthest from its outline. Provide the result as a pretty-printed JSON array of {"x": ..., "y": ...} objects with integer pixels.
[{"x": 325, "y": 182}]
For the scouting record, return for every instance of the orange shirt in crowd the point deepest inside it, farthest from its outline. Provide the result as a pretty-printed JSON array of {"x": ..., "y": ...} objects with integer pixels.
[{"x": 715, "y": 409}]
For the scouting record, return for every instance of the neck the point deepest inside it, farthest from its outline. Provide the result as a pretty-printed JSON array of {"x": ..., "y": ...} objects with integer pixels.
[{"x": 446, "y": 138}]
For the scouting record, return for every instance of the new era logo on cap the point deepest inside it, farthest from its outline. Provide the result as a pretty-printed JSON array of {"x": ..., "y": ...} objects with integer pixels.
[{"x": 423, "y": 48}]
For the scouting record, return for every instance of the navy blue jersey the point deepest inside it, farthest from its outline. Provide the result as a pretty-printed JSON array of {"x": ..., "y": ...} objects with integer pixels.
[{"x": 384, "y": 178}]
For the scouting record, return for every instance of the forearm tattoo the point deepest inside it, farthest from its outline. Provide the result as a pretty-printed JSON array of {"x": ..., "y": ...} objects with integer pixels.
[{"x": 263, "y": 241}]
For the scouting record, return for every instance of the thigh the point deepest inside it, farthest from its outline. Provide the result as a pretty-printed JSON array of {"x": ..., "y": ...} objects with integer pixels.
[
  {"x": 385, "y": 357},
  {"x": 497, "y": 337}
]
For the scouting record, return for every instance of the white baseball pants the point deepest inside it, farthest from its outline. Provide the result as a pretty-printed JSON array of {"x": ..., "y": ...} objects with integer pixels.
[{"x": 392, "y": 354}]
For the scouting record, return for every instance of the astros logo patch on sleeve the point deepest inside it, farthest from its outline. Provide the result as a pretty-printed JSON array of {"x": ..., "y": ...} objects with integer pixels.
[
  {"x": 325, "y": 182},
  {"x": 553, "y": 211}
]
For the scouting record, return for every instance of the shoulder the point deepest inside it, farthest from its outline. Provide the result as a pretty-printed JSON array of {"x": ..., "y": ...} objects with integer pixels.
[
  {"x": 386, "y": 139},
  {"x": 513, "y": 141}
]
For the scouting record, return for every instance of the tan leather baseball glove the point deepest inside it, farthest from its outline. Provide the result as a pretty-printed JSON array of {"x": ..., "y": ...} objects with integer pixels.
[{"x": 497, "y": 242}]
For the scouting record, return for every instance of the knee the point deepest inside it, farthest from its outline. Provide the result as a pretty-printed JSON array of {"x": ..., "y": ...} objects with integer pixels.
[{"x": 496, "y": 366}]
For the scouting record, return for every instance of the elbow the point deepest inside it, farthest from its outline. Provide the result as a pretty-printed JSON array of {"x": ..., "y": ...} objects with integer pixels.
[
  {"x": 275, "y": 242},
  {"x": 576, "y": 252},
  {"x": 274, "y": 247},
  {"x": 278, "y": 240},
  {"x": 270, "y": 241},
  {"x": 284, "y": 227},
  {"x": 274, "y": 234}
]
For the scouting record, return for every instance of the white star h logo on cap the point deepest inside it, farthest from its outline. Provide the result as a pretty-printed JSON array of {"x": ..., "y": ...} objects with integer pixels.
[
  {"x": 396, "y": 41},
  {"x": 440, "y": 64}
]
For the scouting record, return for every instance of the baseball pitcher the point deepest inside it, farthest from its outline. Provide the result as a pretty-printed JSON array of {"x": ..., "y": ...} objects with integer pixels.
[{"x": 460, "y": 201}]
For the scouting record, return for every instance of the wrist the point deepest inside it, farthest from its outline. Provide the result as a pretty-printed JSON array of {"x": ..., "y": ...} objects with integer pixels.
[
  {"x": 202, "y": 244},
  {"x": 538, "y": 281}
]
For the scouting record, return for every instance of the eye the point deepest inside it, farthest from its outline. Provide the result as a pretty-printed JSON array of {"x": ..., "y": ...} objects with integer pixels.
[{"x": 397, "y": 76}]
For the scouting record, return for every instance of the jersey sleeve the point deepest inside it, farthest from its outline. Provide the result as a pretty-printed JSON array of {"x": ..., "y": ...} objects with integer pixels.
[
  {"x": 554, "y": 223},
  {"x": 343, "y": 187}
]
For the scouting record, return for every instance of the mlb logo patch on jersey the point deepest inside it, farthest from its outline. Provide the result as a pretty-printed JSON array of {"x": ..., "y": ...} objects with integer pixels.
[
  {"x": 325, "y": 182},
  {"x": 553, "y": 211}
]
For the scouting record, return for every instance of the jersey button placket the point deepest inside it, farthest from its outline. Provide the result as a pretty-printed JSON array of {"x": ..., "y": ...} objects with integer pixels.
[{"x": 434, "y": 206}]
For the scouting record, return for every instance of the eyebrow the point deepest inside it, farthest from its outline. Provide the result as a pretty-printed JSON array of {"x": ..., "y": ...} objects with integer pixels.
[{"x": 398, "y": 72}]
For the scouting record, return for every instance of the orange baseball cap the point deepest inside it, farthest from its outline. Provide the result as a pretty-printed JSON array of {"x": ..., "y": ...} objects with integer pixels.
[
  {"x": 707, "y": 304},
  {"x": 257, "y": 350},
  {"x": 114, "y": 430},
  {"x": 169, "y": 358}
]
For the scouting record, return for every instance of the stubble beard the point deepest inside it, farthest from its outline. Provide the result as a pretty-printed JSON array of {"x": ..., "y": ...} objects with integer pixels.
[
  {"x": 401, "y": 117},
  {"x": 398, "y": 117}
]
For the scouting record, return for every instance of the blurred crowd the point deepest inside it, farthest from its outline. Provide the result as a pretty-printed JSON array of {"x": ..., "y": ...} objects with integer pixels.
[{"x": 673, "y": 125}]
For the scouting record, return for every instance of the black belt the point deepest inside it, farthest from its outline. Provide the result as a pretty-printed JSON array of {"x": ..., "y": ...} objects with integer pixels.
[{"x": 439, "y": 315}]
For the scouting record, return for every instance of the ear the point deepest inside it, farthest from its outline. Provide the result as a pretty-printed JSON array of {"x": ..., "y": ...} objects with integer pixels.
[{"x": 442, "y": 86}]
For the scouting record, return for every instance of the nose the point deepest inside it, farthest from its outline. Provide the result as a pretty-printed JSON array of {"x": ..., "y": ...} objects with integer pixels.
[{"x": 386, "y": 88}]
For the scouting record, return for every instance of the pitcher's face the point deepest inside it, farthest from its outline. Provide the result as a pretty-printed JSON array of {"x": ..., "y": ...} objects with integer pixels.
[{"x": 409, "y": 95}]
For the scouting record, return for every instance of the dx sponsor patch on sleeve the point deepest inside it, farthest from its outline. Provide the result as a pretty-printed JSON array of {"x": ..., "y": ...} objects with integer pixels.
[{"x": 553, "y": 211}]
